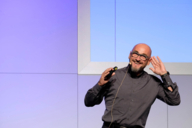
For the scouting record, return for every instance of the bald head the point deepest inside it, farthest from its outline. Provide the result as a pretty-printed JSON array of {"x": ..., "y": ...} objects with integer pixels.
[{"x": 142, "y": 49}]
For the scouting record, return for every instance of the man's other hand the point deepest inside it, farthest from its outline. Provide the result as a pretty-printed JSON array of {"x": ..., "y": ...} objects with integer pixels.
[{"x": 102, "y": 80}]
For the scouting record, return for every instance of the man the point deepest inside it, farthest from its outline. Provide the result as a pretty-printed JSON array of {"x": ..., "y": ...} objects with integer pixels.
[{"x": 131, "y": 91}]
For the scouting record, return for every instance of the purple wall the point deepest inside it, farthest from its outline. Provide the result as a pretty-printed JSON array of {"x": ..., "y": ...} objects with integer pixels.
[
  {"x": 38, "y": 36},
  {"x": 38, "y": 67}
]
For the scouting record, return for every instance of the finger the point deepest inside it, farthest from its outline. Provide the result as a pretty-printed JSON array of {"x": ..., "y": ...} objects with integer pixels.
[
  {"x": 156, "y": 63},
  {"x": 152, "y": 60},
  {"x": 105, "y": 74},
  {"x": 152, "y": 69},
  {"x": 153, "y": 63},
  {"x": 161, "y": 64},
  {"x": 159, "y": 59},
  {"x": 106, "y": 77},
  {"x": 155, "y": 59},
  {"x": 107, "y": 70},
  {"x": 113, "y": 74}
]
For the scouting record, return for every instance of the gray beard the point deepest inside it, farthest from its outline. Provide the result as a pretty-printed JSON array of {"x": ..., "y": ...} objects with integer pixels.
[{"x": 136, "y": 70}]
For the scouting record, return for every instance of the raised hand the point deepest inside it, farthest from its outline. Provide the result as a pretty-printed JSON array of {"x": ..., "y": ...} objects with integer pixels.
[
  {"x": 102, "y": 80},
  {"x": 158, "y": 66}
]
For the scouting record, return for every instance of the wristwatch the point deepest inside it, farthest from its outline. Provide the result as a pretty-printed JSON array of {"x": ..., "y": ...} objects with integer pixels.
[{"x": 165, "y": 74}]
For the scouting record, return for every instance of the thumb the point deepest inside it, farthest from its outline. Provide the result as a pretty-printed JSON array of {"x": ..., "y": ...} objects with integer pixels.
[{"x": 152, "y": 69}]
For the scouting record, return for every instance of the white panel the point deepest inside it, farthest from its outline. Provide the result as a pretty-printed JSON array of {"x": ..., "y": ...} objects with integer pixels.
[
  {"x": 99, "y": 67},
  {"x": 83, "y": 33}
]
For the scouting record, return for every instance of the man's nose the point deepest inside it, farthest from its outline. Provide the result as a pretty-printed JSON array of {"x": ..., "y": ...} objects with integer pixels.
[{"x": 138, "y": 58}]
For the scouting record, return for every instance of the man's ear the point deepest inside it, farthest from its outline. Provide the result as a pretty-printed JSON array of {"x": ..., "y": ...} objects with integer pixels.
[{"x": 149, "y": 61}]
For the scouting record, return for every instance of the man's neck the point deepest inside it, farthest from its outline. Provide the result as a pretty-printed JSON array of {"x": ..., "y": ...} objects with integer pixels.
[{"x": 136, "y": 74}]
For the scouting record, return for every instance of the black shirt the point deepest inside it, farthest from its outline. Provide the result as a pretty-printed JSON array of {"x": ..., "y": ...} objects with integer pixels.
[{"x": 134, "y": 98}]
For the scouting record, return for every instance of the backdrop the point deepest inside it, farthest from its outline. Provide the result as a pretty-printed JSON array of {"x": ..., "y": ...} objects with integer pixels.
[{"x": 39, "y": 82}]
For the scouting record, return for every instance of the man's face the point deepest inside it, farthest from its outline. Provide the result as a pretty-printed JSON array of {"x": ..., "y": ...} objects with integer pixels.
[{"x": 139, "y": 58}]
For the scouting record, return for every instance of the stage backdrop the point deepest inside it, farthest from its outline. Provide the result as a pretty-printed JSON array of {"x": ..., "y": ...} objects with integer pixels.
[{"x": 39, "y": 82}]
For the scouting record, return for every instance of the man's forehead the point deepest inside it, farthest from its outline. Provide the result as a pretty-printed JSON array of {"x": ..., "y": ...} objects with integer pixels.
[
  {"x": 142, "y": 53},
  {"x": 142, "y": 49}
]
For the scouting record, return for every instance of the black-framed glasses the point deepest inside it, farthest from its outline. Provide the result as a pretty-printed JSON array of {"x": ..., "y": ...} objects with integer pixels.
[{"x": 142, "y": 56}]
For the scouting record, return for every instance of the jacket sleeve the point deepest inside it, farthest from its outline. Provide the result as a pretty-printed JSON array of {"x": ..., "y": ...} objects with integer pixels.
[
  {"x": 94, "y": 95},
  {"x": 171, "y": 98}
]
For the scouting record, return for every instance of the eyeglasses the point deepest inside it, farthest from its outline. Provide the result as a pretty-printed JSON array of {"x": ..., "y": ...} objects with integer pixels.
[{"x": 142, "y": 57}]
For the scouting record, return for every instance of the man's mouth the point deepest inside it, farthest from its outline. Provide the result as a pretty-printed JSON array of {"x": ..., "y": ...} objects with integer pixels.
[{"x": 137, "y": 63}]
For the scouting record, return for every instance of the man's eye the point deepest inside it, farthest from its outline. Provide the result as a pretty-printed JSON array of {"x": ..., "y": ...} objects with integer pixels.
[
  {"x": 143, "y": 56},
  {"x": 135, "y": 52}
]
